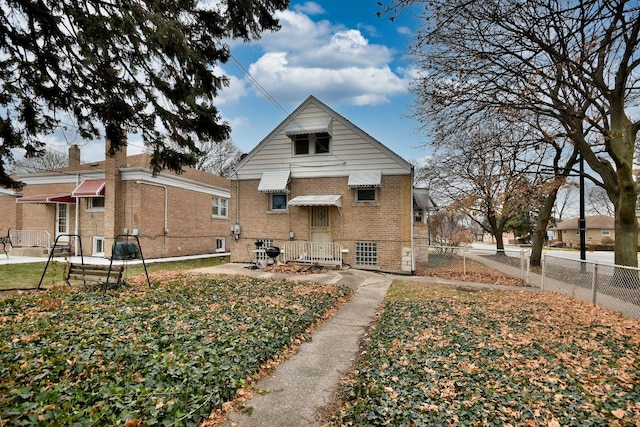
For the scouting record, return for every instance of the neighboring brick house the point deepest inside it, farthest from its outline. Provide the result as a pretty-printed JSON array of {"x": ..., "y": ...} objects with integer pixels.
[
  {"x": 318, "y": 178},
  {"x": 598, "y": 227},
  {"x": 173, "y": 215}
]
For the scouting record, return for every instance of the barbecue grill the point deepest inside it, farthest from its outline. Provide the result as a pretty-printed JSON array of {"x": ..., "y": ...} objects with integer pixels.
[{"x": 272, "y": 252}]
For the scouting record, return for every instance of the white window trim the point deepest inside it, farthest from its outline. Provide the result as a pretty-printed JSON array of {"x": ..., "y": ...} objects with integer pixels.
[
  {"x": 221, "y": 206},
  {"x": 357, "y": 190},
  {"x": 91, "y": 208},
  {"x": 94, "y": 251},
  {"x": 221, "y": 244},
  {"x": 312, "y": 145},
  {"x": 605, "y": 232},
  {"x": 271, "y": 209}
]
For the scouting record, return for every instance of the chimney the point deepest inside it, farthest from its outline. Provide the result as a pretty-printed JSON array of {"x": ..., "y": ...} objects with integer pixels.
[{"x": 74, "y": 156}]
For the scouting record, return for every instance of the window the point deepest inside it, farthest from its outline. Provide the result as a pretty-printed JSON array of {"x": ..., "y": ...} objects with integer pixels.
[
  {"x": 322, "y": 142},
  {"x": 366, "y": 194},
  {"x": 367, "y": 253},
  {"x": 417, "y": 215},
  {"x": 278, "y": 202},
  {"x": 95, "y": 204},
  {"x": 605, "y": 232},
  {"x": 311, "y": 143},
  {"x": 219, "y": 207},
  {"x": 301, "y": 145},
  {"x": 98, "y": 246},
  {"x": 220, "y": 244}
]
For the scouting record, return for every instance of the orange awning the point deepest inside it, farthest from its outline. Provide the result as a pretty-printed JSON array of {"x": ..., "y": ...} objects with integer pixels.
[
  {"x": 89, "y": 188},
  {"x": 47, "y": 198}
]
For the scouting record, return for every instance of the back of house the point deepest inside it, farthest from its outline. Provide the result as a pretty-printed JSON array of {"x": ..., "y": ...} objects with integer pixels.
[{"x": 323, "y": 191}]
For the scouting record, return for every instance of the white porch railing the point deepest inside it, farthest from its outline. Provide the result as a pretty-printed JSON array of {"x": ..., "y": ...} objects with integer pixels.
[
  {"x": 31, "y": 238},
  {"x": 313, "y": 253}
]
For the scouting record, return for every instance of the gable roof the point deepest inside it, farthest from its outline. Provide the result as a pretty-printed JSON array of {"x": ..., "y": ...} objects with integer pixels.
[{"x": 314, "y": 116}]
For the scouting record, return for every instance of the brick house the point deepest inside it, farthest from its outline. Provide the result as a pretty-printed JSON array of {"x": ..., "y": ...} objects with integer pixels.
[
  {"x": 173, "y": 215},
  {"x": 318, "y": 178}
]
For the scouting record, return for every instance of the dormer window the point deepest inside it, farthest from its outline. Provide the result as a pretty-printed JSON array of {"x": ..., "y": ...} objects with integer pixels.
[
  {"x": 301, "y": 145},
  {"x": 308, "y": 144},
  {"x": 310, "y": 136}
]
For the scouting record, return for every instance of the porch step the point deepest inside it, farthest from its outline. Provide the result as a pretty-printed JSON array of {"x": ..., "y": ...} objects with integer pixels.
[{"x": 32, "y": 252}]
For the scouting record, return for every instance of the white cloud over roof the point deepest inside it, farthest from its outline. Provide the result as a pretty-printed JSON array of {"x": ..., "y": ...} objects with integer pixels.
[{"x": 335, "y": 63}]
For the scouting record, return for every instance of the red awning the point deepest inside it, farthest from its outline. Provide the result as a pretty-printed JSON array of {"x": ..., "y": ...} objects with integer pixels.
[
  {"x": 89, "y": 188},
  {"x": 47, "y": 198}
]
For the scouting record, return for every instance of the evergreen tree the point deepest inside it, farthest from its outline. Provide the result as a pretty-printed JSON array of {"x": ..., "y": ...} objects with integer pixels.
[{"x": 119, "y": 66}]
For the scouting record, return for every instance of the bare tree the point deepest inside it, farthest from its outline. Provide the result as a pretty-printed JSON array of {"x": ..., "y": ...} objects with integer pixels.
[
  {"x": 218, "y": 158},
  {"x": 49, "y": 159},
  {"x": 487, "y": 182},
  {"x": 569, "y": 61}
]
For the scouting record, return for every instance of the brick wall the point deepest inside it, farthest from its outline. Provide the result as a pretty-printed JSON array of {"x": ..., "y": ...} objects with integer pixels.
[
  {"x": 191, "y": 228},
  {"x": 386, "y": 222}
]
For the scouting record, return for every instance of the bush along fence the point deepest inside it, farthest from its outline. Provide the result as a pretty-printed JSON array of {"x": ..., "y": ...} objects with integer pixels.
[{"x": 612, "y": 286}]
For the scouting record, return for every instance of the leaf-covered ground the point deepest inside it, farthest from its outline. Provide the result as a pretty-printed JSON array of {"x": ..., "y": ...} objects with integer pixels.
[
  {"x": 460, "y": 356},
  {"x": 169, "y": 355}
]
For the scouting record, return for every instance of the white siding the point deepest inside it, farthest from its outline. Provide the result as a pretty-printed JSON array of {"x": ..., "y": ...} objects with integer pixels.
[{"x": 351, "y": 150}]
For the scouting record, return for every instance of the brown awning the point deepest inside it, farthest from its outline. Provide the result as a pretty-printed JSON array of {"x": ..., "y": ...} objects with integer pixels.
[
  {"x": 47, "y": 198},
  {"x": 89, "y": 188}
]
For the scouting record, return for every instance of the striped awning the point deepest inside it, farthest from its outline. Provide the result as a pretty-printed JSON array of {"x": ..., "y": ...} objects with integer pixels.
[
  {"x": 274, "y": 182},
  {"x": 89, "y": 188},
  {"x": 317, "y": 200},
  {"x": 362, "y": 179},
  {"x": 47, "y": 198},
  {"x": 303, "y": 126}
]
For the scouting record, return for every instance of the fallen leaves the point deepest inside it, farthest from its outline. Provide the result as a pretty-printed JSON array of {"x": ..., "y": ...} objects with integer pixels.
[
  {"x": 494, "y": 357},
  {"x": 173, "y": 353}
]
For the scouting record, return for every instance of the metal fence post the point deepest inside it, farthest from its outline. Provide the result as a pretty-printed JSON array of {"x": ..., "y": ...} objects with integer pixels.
[
  {"x": 544, "y": 264},
  {"x": 594, "y": 283},
  {"x": 464, "y": 262}
]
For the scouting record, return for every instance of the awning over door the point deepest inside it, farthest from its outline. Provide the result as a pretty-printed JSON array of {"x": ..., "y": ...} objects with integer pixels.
[
  {"x": 365, "y": 179},
  {"x": 317, "y": 200},
  {"x": 302, "y": 126},
  {"x": 89, "y": 188},
  {"x": 47, "y": 198},
  {"x": 274, "y": 182}
]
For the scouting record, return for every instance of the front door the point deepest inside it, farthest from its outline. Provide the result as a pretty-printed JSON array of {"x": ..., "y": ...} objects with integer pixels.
[
  {"x": 62, "y": 222},
  {"x": 320, "y": 230}
]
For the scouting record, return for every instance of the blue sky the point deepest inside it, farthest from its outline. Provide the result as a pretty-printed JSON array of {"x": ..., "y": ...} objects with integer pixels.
[
  {"x": 342, "y": 53},
  {"x": 339, "y": 51}
]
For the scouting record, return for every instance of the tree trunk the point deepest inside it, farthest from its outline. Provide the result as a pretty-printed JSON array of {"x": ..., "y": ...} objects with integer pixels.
[
  {"x": 499, "y": 241},
  {"x": 626, "y": 223},
  {"x": 622, "y": 147},
  {"x": 541, "y": 228}
]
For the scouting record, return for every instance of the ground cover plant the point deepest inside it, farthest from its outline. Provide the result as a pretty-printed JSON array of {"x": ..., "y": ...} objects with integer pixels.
[
  {"x": 441, "y": 355},
  {"x": 167, "y": 355}
]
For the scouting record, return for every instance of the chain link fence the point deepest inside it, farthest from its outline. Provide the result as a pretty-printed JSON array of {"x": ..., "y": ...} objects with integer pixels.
[
  {"x": 611, "y": 286},
  {"x": 469, "y": 263}
]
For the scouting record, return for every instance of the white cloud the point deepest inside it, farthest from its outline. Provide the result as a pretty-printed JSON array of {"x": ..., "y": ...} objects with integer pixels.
[
  {"x": 349, "y": 85},
  {"x": 330, "y": 61},
  {"x": 310, "y": 8},
  {"x": 231, "y": 95}
]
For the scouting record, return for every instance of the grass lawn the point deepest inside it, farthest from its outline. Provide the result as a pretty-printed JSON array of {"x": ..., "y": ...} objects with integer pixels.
[
  {"x": 442, "y": 355},
  {"x": 167, "y": 355},
  {"x": 27, "y": 276}
]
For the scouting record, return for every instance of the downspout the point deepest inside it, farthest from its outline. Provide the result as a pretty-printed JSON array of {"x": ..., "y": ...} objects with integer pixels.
[
  {"x": 413, "y": 248},
  {"x": 165, "y": 231},
  {"x": 77, "y": 224}
]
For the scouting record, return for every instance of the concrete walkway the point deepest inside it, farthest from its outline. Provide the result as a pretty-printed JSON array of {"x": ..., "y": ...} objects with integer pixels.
[{"x": 300, "y": 389}]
